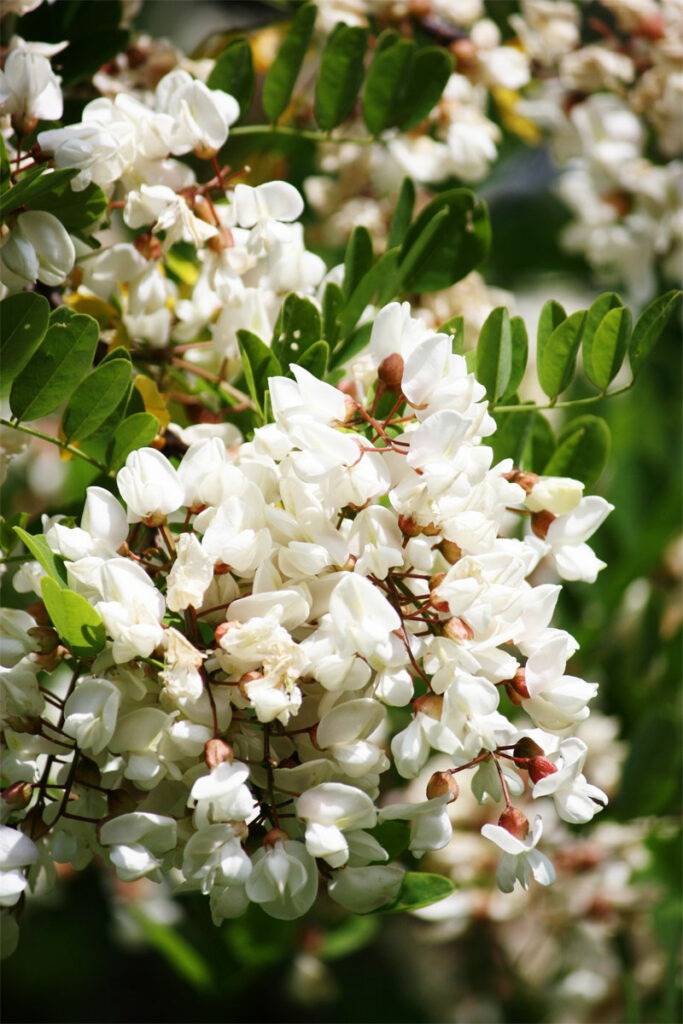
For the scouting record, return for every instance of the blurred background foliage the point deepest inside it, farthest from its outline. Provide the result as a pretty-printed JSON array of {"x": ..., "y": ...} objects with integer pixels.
[{"x": 100, "y": 950}]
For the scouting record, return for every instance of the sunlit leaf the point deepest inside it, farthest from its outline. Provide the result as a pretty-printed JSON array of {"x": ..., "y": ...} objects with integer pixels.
[
  {"x": 155, "y": 403},
  {"x": 136, "y": 431},
  {"x": 95, "y": 398},
  {"x": 23, "y": 322},
  {"x": 520, "y": 354},
  {"x": 650, "y": 325},
  {"x": 557, "y": 355},
  {"x": 494, "y": 353},
  {"x": 79, "y": 626},
  {"x": 41, "y": 551},
  {"x": 604, "y": 352},
  {"x": 419, "y": 889}
]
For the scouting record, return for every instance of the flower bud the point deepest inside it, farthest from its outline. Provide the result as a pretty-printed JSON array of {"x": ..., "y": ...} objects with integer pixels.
[
  {"x": 442, "y": 783},
  {"x": 18, "y": 795},
  {"x": 540, "y": 767},
  {"x": 515, "y": 821},
  {"x": 276, "y": 835},
  {"x": 390, "y": 372},
  {"x": 223, "y": 628},
  {"x": 541, "y": 522},
  {"x": 465, "y": 53},
  {"x": 457, "y": 629},
  {"x": 247, "y": 678},
  {"x": 518, "y": 684},
  {"x": 348, "y": 387},
  {"x": 450, "y": 551},
  {"x": 526, "y": 747},
  {"x": 430, "y": 704},
  {"x": 524, "y": 479},
  {"x": 216, "y": 751},
  {"x": 46, "y": 638}
]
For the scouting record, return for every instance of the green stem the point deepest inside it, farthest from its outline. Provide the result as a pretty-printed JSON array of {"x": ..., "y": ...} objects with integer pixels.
[
  {"x": 60, "y": 444},
  {"x": 563, "y": 405},
  {"x": 299, "y": 133}
]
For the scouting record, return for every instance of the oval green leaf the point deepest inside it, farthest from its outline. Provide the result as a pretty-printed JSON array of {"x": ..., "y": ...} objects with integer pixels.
[
  {"x": 298, "y": 326},
  {"x": 258, "y": 363},
  {"x": 340, "y": 76},
  {"x": 385, "y": 83},
  {"x": 582, "y": 449},
  {"x": 418, "y": 889},
  {"x": 557, "y": 357},
  {"x": 357, "y": 259},
  {"x": 23, "y": 322},
  {"x": 233, "y": 73},
  {"x": 95, "y": 399},
  {"x": 56, "y": 369},
  {"x": 136, "y": 431},
  {"x": 604, "y": 352},
  {"x": 520, "y": 354},
  {"x": 650, "y": 325},
  {"x": 430, "y": 69},
  {"x": 494, "y": 353},
  {"x": 43, "y": 553},
  {"x": 79, "y": 626},
  {"x": 448, "y": 239},
  {"x": 403, "y": 212},
  {"x": 282, "y": 74}
]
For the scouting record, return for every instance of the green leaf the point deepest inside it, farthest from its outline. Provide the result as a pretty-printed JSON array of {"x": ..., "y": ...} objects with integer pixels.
[
  {"x": 59, "y": 365},
  {"x": 340, "y": 75},
  {"x": 582, "y": 449},
  {"x": 75, "y": 210},
  {"x": 428, "y": 74},
  {"x": 357, "y": 260},
  {"x": 540, "y": 445},
  {"x": 455, "y": 328},
  {"x": 333, "y": 301},
  {"x": 650, "y": 325},
  {"x": 8, "y": 537},
  {"x": 599, "y": 309},
  {"x": 78, "y": 624},
  {"x": 386, "y": 81},
  {"x": 298, "y": 326},
  {"x": 23, "y": 322},
  {"x": 233, "y": 73},
  {"x": 403, "y": 212},
  {"x": 315, "y": 359},
  {"x": 418, "y": 889},
  {"x": 557, "y": 356},
  {"x": 354, "y": 343},
  {"x": 136, "y": 431},
  {"x": 95, "y": 398},
  {"x": 5, "y": 169},
  {"x": 520, "y": 354},
  {"x": 604, "y": 352},
  {"x": 394, "y": 836},
  {"x": 513, "y": 434},
  {"x": 551, "y": 317},
  {"x": 258, "y": 363},
  {"x": 447, "y": 240},
  {"x": 35, "y": 187},
  {"x": 380, "y": 280},
  {"x": 43, "y": 553},
  {"x": 494, "y": 353},
  {"x": 282, "y": 74}
]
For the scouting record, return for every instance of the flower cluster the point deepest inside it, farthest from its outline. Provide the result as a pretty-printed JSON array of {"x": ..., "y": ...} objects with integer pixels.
[{"x": 264, "y": 604}]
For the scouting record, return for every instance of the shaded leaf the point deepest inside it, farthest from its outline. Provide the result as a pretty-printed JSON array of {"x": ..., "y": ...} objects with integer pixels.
[
  {"x": 403, "y": 212},
  {"x": 513, "y": 434},
  {"x": 95, "y": 398},
  {"x": 448, "y": 239},
  {"x": 258, "y": 363},
  {"x": 604, "y": 352},
  {"x": 348, "y": 936},
  {"x": 5, "y": 169},
  {"x": 183, "y": 957},
  {"x": 357, "y": 259},
  {"x": 43, "y": 553},
  {"x": 233, "y": 73},
  {"x": 136, "y": 431},
  {"x": 282, "y": 74},
  {"x": 57, "y": 367},
  {"x": 494, "y": 353},
  {"x": 430, "y": 69},
  {"x": 155, "y": 403},
  {"x": 540, "y": 445},
  {"x": 520, "y": 354},
  {"x": 298, "y": 326},
  {"x": 418, "y": 889},
  {"x": 557, "y": 356},
  {"x": 380, "y": 281},
  {"x": 23, "y": 322},
  {"x": 455, "y": 328},
  {"x": 354, "y": 343},
  {"x": 394, "y": 836},
  {"x": 650, "y": 325},
  {"x": 33, "y": 186},
  {"x": 385, "y": 82},
  {"x": 582, "y": 449},
  {"x": 333, "y": 300},
  {"x": 315, "y": 359},
  {"x": 75, "y": 210},
  {"x": 79, "y": 626},
  {"x": 340, "y": 75}
]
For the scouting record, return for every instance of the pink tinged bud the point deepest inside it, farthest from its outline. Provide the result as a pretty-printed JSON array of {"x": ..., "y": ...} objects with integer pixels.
[
  {"x": 409, "y": 526},
  {"x": 526, "y": 747},
  {"x": 348, "y": 387},
  {"x": 541, "y": 523},
  {"x": 18, "y": 795},
  {"x": 443, "y": 784},
  {"x": 276, "y": 835},
  {"x": 430, "y": 704},
  {"x": 515, "y": 822},
  {"x": 390, "y": 372},
  {"x": 518, "y": 684},
  {"x": 527, "y": 481},
  {"x": 224, "y": 628},
  {"x": 248, "y": 677},
  {"x": 216, "y": 751},
  {"x": 450, "y": 551},
  {"x": 540, "y": 767},
  {"x": 457, "y": 629}
]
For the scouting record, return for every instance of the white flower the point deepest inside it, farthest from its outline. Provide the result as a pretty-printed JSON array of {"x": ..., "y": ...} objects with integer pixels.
[
  {"x": 138, "y": 841},
  {"x": 364, "y": 889},
  {"x": 169, "y": 212},
  {"x": 363, "y": 618},
  {"x": 181, "y": 664},
  {"x": 17, "y": 852},
  {"x": 328, "y": 810},
  {"x": 284, "y": 880},
  {"x": 90, "y": 714},
  {"x": 29, "y": 90},
  {"x": 214, "y": 857},
  {"x": 557, "y": 494},
  {"x": 520, "y": 859},
  {"x": 190, "y": 574},
  {"x": 263, "y": 209},
  {"x": 149, "y": 485},
  {"x": 576, "y": 800},
  {"x": 223, "y": 795},
  {"x": 38, "y": 248},
  {"x": 567, "y": 536},
  {"x": 202, "y": 116}
]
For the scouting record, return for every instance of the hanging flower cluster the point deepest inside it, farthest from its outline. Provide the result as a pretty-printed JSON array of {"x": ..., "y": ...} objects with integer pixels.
[{"x": 264, "y": 606}]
